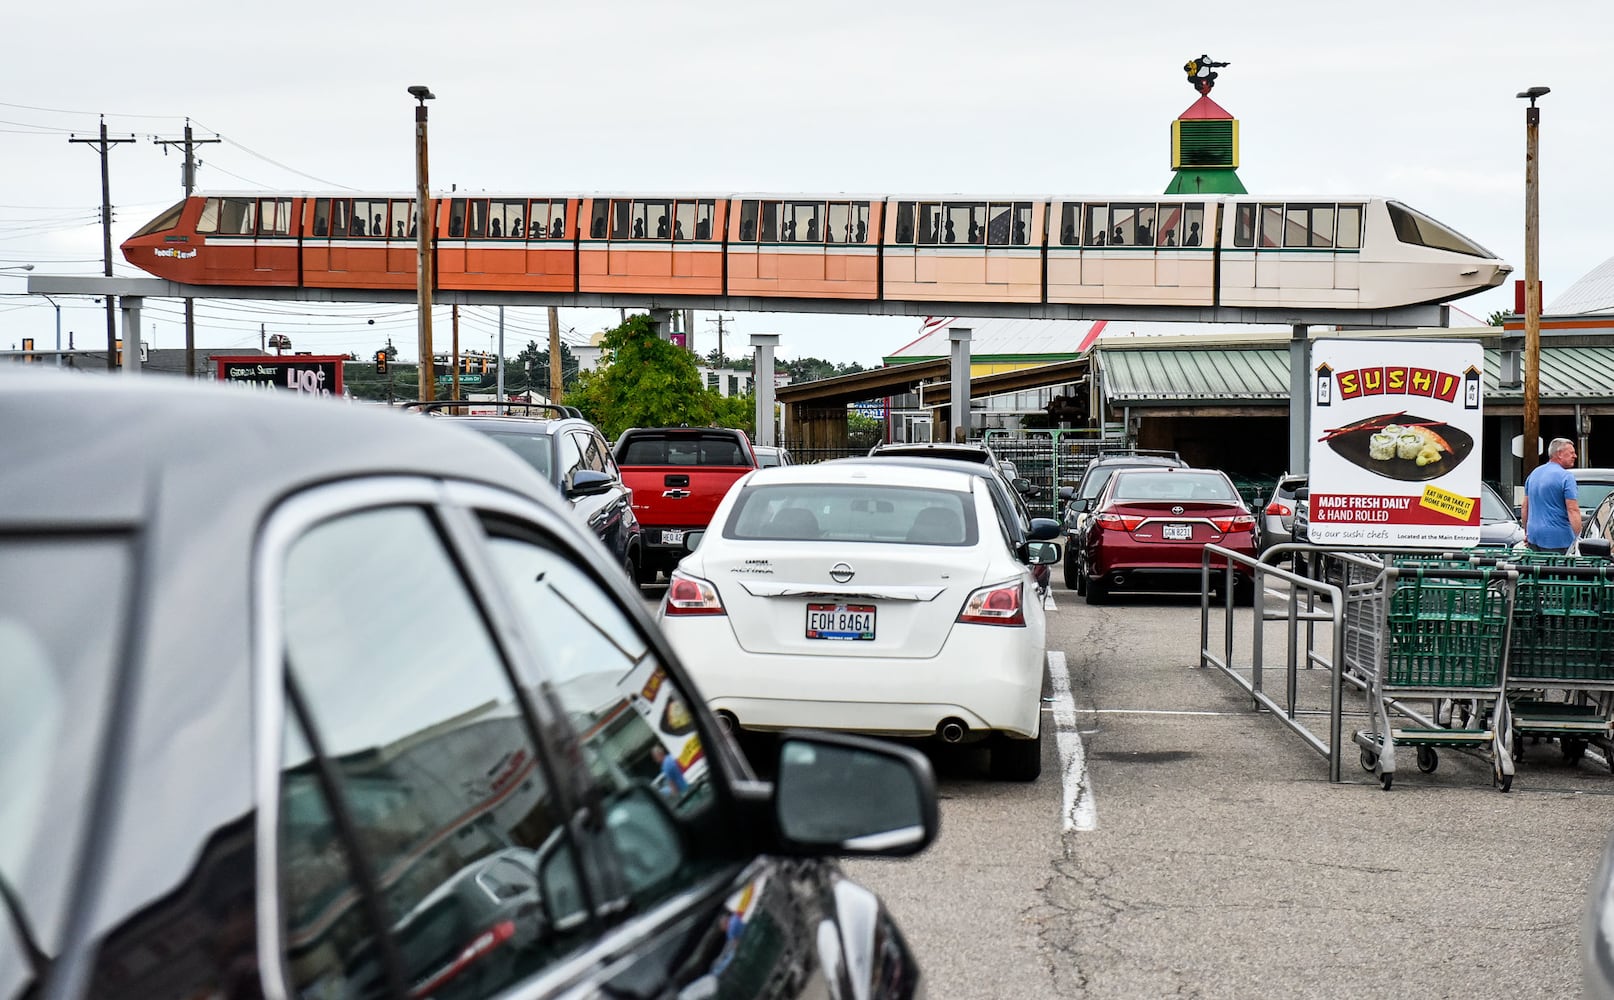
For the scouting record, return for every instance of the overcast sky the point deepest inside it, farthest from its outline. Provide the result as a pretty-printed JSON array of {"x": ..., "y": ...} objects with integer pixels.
[{"x": 1413, "y": 100}]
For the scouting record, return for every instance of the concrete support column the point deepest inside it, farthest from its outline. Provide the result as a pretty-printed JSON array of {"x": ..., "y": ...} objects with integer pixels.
[
  {"x": 661, "y": 321},
  {"x": 1299, "y": 398},
  {"x": 762, "y": 378},
  {"x": 958, "y": 338},
  {"x": 130, "y": 305}
]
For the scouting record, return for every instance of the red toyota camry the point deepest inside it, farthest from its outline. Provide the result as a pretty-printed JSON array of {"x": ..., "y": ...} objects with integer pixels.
[{"x": 1149, "y": 529}]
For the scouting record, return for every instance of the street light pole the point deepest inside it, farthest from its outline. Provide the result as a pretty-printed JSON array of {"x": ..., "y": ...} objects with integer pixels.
[
  {"x": 1530, "y": 450},
  {"x": 423, "y": 260}
]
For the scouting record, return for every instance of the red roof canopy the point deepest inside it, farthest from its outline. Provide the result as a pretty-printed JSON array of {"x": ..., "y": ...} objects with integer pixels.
[{"x": 1204, "y": 108}]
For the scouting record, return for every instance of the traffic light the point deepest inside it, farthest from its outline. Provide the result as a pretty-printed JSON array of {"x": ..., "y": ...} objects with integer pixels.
[
  {"x": 484, "y": 364},
  {"x": 381, "y": 362}
]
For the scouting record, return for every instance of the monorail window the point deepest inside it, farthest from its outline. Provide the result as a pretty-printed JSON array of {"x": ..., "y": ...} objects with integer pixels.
[
  {"x": 167, "y": 220},
  {"x": 1350, "y": 228},
  {"x": 802, "y": 222},
  {"x": 456, "y": 218},
  {"x": 1193, "y": 223},
  {"x": 274, "y": 216},
  {"x": 1244, "y": 226},
  {"x": 507, "y": 219},
  {"x": 476, "y": 217},
  {"x": 369, "y": 217},
  {"x": 1098, "y": 230},
  {"x": 557, "y": 218},
  {"x": 602, "y": 217},
  {"x": 705, "y": 218},
  {"x": 341, "y": 211},
  {"x": 229, "y": 216},
  {"x": 965, "y": 222},
  {"x": 1271, "y": 225},
  {"x": 1309, "y": 226},
  {"x": 1020, "y": 229},
  {"x": 905, "y": 230},
  {"x": 748, "y": 221},
  {"x": 1420, "y": 230},
  {"x": 652, "y": 220},
  {"x": 404, "y": 223},
  {"x": 930, "y": 220},
  {"x": 848, "y": 222},
  {"x": 1168, "y": 225},
  {"x": 1070, "y": 225},
  {"x": 1129, "y": 222},
  {"x": 770, "y": 222}
]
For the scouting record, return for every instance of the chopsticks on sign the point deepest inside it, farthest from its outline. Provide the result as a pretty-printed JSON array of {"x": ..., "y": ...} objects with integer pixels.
[{"x": 1376, "y": 424}]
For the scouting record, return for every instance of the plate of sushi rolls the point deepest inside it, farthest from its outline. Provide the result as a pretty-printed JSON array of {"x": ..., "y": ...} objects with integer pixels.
[{"x": 1401, "y": 446}]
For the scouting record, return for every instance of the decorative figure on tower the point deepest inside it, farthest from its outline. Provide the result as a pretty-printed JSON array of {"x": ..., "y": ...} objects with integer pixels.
[{"x": 1202, "y": 73}]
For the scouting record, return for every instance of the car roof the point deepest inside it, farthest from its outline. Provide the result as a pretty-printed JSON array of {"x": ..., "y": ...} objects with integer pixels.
[
  {"x": 1154, "y": 461},
  {"x": 873, "y": 472},
  {"x": 959, "y": 465},
  {"x": 118, "y": 450},
  {"x": 966, "y": 451},
  {"x": 1592, "y": 475}
]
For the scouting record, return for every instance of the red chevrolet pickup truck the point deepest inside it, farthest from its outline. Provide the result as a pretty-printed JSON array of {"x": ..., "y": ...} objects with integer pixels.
[{"x": 678, "y": 475}]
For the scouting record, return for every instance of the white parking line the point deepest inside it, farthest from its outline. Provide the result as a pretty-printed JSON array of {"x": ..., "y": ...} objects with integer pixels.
[{"x": 1079, "y": 811}]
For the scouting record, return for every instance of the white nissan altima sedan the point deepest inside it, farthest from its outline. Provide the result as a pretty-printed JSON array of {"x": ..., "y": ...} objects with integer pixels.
[{"x": 880, "y": 599}]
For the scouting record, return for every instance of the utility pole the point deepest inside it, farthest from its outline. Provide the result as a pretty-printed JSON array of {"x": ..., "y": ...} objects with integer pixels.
[
  {"x": 1529, "y": 445},
  {"x": 720, "y": 320},
  {"x": 556, "y": 383},
  {"x": 454, "y": 360},
  {"x": 424, "y": 218},
  {"x": 188, "y": 178},
  {"x": 104, "y": 146}
]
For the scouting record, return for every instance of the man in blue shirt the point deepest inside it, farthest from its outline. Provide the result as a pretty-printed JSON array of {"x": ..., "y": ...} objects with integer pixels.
[{"x": 1551, "y": 510}]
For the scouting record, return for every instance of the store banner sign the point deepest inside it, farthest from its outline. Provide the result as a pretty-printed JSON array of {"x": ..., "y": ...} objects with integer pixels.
[{"x": 1395, "y": 451}]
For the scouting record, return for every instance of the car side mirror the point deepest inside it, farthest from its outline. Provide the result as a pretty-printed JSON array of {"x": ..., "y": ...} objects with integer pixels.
[
  {"x": 588, "y": 483},
  {"x": 692, "y": 539},
  {"x": 1067, "y": 493},
  {"x": 850, "y": 795},
  {"x": 1042, "y": 553},
  {"x": 1026, "y": 488},
  {"x": 1043, "y": 529}
]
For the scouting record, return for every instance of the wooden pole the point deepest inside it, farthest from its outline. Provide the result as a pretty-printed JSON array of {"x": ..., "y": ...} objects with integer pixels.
[
  {"x": 555, "y": 381},
  {"x": 1532, "y": 292}
]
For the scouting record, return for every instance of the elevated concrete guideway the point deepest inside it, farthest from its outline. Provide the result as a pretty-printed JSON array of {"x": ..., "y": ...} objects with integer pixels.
[{"x": 159, "y": 288}]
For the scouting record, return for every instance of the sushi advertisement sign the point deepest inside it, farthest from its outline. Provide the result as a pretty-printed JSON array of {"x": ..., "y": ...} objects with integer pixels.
[{"x": 1395, "y": 443}]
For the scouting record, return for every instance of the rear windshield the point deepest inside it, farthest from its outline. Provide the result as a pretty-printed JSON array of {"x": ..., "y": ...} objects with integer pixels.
[
  {"x": 1175, "y": 486},
  {"x": 534, "y": 449},
  {"x": 853, "y": 513},
  {"x": 62, "y": 602},
  {"x": 684, "y": 449}
]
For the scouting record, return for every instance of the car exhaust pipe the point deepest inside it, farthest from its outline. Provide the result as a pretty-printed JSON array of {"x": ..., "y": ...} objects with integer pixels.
[
  {"x": 727, "y": 722},
  {"x": 952, "y": 731}
]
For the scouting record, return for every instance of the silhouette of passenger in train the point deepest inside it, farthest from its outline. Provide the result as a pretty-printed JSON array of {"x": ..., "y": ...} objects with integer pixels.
[
  {"x": 495, "y": 230},
  {"x": 812, "y": 230},
  {"x": 378, "y": 226},
  {"x": 703, "y": 229},
  {"x": 904, "y": 231},
  {"x": 951, "y": 236},
  {"x": 1192, "y": 239},
  {"x": 1143, "y": 238},
  {"x": 1171, "y": 237},
  {"x": 678, "y": 229},
  {"x": 748, "y": 229},
  {"x": 558, "y": 230},
  {"x": 862, "y": 232},
  {"x": 790, "y": 231},
  {"x": 638, "y": 229},
  {"x": 322, "y": 226},
  {"x": 935, "y": 230},
  {"x": 1098, "y": 238},
  {"x": 661, "y": 227},
  {"x": 412, "y": 223},
  {"x": 1068, "y": 236},
  {"x": 1116, "y": 239},
  {"x": 597, "y": 232},
  {"x": 358, "y": 227},
  {"x": 399, "y": 233},
  {"x": 516, "y": 227},
  {"x": 975, "y": 231}
]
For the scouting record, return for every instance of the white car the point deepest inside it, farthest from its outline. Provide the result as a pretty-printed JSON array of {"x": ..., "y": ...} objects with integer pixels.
[{"x": 869, "y": 598}]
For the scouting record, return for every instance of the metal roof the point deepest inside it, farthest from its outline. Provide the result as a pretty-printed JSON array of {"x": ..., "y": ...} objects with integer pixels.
[{"x": 1261, "y": 375}]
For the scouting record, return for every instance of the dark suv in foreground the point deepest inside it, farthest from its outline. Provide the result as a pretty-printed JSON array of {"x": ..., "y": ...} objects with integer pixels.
[
  {"x": 307, "y": 700},
  {"x": 570, "y": 452}
]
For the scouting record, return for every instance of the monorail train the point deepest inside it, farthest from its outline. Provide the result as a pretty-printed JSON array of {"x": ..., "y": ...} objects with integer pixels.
[{"x": 1233, "y": 251}]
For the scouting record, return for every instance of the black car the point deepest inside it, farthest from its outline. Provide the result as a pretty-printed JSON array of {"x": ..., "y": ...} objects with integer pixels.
[
  {"x": 303, "y": 699},
  {"x": 1078, "y": 500},
  {"x": 571, "y": 453}
]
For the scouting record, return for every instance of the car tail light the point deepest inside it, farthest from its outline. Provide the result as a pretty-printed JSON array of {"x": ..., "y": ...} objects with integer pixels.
[
  {"x": 999, "y": 604},
  {"x": 1119, "y": 522},
  {"x": 1276, "y": 509},
  {"x": 1244, "y": 522},
  {"x": 484, "y": 943},
  {"x": 690, "y": 595}
]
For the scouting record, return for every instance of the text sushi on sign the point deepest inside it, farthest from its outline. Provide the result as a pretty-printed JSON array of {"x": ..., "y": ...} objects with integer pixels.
[{"x": 1395, "y": 457}]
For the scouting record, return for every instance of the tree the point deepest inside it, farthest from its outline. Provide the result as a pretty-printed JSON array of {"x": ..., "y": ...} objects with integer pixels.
[
  {"x": 642, "y": 381},
  {"x": 533, "y": 362},
  {"x": 1498, "y": 318}
]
